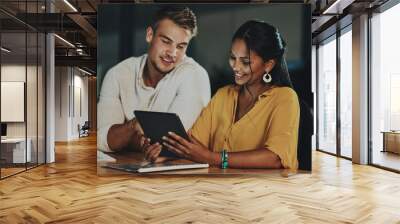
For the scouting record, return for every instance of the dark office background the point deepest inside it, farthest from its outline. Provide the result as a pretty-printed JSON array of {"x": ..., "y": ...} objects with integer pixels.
[{"x": 121, "y": 34}]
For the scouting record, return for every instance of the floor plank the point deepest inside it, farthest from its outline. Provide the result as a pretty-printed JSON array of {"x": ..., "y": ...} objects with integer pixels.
[{"x": 69, "y": 191}]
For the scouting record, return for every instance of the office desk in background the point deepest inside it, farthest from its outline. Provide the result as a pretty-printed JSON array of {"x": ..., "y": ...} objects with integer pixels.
[
  {"x": 391, "y": 141},
  {"x": 134, "y": 157},
  {"x": 13, "y": 150}
]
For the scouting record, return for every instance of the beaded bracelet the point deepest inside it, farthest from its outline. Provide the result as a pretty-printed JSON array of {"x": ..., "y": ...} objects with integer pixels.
[{"x": 224, "y": 159}]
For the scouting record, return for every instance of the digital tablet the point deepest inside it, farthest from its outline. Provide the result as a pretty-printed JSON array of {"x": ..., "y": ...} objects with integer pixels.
[
  {"x": 155, "y": 125},
  {"x": 155, "y": 167}
]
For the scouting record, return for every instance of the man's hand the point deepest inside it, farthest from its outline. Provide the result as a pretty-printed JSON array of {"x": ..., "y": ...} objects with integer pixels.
[
  {"x": 152, "y": 151},
  {"x": 138, "y": 138}
]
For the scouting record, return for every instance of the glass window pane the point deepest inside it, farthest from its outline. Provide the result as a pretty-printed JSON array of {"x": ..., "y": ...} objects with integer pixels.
[
  {"x": 22, "y": 62},
  {"x": 13, "y": 86},
  {"x": 385, "y": 84},
  {"x": 327, "y": 96},
  {"x": 314, "y": 90},
  {"x": 346, "y": 94}
]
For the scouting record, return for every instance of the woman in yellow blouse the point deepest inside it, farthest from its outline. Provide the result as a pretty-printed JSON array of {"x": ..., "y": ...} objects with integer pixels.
[{"x": 254, "y": 123}]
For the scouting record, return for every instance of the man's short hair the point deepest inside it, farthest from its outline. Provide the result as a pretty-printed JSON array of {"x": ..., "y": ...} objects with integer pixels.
[{"x": 181, "y": 16}]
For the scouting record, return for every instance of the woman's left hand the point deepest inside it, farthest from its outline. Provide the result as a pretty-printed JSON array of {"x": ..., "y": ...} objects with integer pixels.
[{"x": 192, "y": 150}]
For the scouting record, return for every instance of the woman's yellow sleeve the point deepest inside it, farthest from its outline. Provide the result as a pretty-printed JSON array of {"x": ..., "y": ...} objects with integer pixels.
[{"x": 282, "y": 134}]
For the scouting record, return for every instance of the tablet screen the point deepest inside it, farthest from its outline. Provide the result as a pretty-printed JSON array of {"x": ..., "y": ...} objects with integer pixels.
[{"x": 155, "y": 125}]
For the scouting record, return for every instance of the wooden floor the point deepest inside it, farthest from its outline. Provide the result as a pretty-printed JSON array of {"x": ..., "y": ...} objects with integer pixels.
[
  {"x": 69, "y": 191},
  {"x": 5, "y": 172},
  {"x": 386, "y": 159}
]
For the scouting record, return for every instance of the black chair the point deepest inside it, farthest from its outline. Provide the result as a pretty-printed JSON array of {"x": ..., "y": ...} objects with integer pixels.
[{"x": 84, "y": 130}]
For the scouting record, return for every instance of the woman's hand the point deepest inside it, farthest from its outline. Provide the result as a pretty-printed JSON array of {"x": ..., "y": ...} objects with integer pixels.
[{"x": 192, "y": 150}]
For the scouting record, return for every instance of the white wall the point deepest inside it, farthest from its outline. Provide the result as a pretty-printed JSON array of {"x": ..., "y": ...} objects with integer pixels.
[
  {"x": 70, "y": 83},
  {"x": 12, "y": 73},
  {"x": 33, "y": 127},
  {"x": 61, "y": 103},
  {"x": 81, "y": 96}
]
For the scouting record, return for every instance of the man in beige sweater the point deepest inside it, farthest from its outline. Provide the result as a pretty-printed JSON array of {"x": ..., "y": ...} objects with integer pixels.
[{"x": 164, "y": 80}]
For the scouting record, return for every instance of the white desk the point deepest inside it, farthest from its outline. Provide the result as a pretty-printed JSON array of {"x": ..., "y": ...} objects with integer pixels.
[{"x": 13, "y": 150}]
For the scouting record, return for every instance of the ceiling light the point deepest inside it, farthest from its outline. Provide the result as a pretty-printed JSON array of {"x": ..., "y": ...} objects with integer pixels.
[
  {"x": 337, "y": 7},
  {"x": 84, "y": 71},
  {"x": 70, "y": 5},
  {"x": 5, "y": 50},
  {"x": 331, "y": 7},
  {"x": 65, "y": 41}
]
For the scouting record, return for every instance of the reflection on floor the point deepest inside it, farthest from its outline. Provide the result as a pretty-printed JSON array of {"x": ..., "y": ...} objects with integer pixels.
[
  {"x": 10, "y": 169},
  {"x": 386, "y": 159}
]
